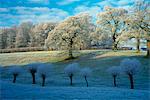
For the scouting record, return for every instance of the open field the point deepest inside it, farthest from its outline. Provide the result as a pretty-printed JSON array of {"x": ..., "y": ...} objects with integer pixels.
[
  {"x": 98, "y": 60},
  {"x": 56, "y": 56},
  {"x": 39, "y": 56}
]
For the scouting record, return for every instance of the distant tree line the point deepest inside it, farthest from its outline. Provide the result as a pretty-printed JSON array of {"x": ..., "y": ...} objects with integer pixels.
[{"x": 25, "y": 35}]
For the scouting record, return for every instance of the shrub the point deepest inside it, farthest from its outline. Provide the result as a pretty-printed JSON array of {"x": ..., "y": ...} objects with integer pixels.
[
  {"x": 43, "y": 71},
  {"x": 86, "y": 72},
  {"x": 71, "y": 69},
  {"x": 130, "y": 67}
]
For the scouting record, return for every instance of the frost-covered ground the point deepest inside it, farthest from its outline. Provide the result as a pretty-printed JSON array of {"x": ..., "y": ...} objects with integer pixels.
[
  {"x": 100, "y": 82},
  {"x": 10, "y": 91}
]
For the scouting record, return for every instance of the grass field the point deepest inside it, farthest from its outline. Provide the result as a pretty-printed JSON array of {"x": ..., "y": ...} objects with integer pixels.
[
  {"x": 98, "y": 60},
  {"x": 22, "y": 58},
  {"x": 39, "y": 56}
]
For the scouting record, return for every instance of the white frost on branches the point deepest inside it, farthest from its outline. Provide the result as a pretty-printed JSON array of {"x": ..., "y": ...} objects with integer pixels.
[
  {"x": 86, "y": 72},
  {"x": 15, "y": 69},
  {"x": 33, "y": 66},
  {"x": 114, "y": 70},
  {"x": 130, "y": 66},
  {"x": 44, "y": 69},
  {"x": 71, "y": 69}
]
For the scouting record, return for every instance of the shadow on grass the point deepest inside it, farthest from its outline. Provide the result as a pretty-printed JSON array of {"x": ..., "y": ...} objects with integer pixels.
[{"x": 84, "y": 56}]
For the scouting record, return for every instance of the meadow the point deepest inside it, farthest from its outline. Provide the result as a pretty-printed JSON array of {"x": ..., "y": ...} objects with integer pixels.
[{"x": 98, "y": 60}]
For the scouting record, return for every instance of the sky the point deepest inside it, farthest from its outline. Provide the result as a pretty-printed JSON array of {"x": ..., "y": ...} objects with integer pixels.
[{"x": 14, "y": 12}]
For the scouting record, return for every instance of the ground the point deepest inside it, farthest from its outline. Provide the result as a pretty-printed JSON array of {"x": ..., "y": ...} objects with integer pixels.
[
  {"x": 71, "y": 93},
  {"x": 57, "y": 84}
]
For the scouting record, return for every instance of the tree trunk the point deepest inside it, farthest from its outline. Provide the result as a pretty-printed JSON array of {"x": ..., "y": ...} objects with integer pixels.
[
  {"x": 14, "y": 77},
  {"x": 138, "y": 45},
  {"x": 70, "y": 49},
  {"x": 86, "y": 81},
  {"x": 114, "y": 76},
  {"x": 33, "y": 78},
  {"x": 115, "y": 45},
  {"x": 43, "y": 80},
  {"x": 148, "y": 48},
  {"x": 71, "y": 79},
  {"x": 131, "y": 81},
  {"x": 70, "y": 54}
]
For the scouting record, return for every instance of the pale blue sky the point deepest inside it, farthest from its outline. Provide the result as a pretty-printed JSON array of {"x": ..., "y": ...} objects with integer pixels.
[{"x": 13, "y": 12}]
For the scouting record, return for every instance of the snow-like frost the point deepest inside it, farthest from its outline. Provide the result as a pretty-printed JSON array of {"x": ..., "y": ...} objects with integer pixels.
[
  {"x": 33, "y": 66},
  {"x": 130, "y": 66},
  {"x": 71, "y": 68},
  {"x": 44, "y": 69},
  {"x": 114, "y": 70},
  {"x": 11, "y": 91},
  {"x": 15, "y": 69},
  {"x": 86, "y": 72}
]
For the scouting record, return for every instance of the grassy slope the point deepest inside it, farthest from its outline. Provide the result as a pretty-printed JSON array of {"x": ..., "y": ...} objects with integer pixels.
[{"x": 97, "y": 60}]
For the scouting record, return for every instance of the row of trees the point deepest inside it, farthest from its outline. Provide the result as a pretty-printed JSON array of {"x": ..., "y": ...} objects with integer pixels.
[
  {"x": 112, "y": 26},
  {"x": 25, "y": 35},
  {"x": 43, "y": 71},
  {"x": 127, "y": 66}
]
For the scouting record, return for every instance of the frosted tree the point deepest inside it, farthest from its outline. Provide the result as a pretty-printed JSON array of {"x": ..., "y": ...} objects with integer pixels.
[
  {"x": 43, "y": 71},
  {"x": 3, "y": 38},
  {"x": 130, "y": 67},
  {"x": 114, "y": 71},
  {"x": 71, "y": 34},
  {"x": 22, "y": 36},
  {"x": 138, "y": 22},
  {"x": 111, "y": 21},
  {"x": 7, "y": 37},
  {"x": 101, "y": 38},
  {"x": 39, "y": 33},
  {"x": 33, "y": 70},
  {"x": 15, "y": 71},
  {"x": 86, "y": 72},
  {"x": 70, "y": 70}
]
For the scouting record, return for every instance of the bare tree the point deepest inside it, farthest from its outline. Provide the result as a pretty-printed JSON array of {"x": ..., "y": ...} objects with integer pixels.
[
  {"x": 70, "y": 70},
  {"x": 86, "y": 72},
  {"x": 130, "y": 67}
]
